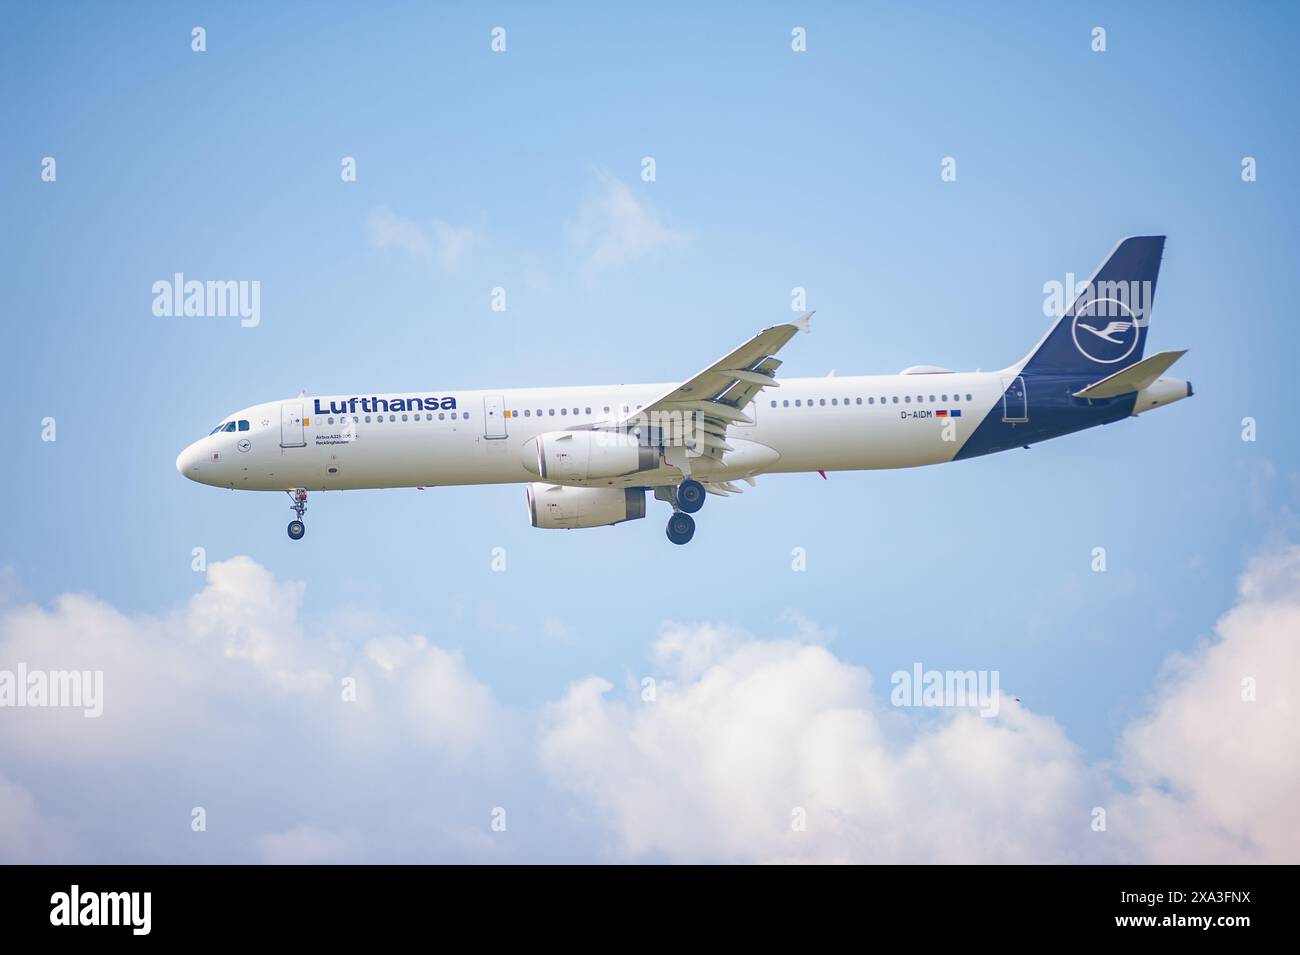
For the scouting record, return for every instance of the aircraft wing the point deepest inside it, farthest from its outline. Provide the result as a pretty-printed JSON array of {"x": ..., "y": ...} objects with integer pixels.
[{"x": 698, "y": 412}]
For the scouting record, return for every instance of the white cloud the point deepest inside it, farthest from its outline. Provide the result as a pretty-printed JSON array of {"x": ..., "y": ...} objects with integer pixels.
[
  {"x": 1216, "y": 777},
  {"x": 233, "y": 703},
  {"x": 27, "y": 836},
  {"x": 615, "y": 228},
  {"x": 745, "y": 733},
  {"x": 438, "y": 240},
  {"x": 234, "y": 690},
  {"x": 433, "y": 691}
]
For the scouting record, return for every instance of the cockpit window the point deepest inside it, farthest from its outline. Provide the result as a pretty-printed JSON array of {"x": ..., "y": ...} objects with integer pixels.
[
  {"x": 229, "y": 427},
  {"x": 243, "y": 425}
]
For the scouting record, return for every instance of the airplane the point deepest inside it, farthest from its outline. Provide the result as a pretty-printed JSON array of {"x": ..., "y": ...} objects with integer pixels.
[{"x": 590, "y": 454}]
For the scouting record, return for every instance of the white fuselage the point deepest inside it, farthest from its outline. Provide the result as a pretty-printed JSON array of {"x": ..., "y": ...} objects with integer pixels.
[
  {"x": 589, "y": 454},
  {"x": 481, "y": 437}
]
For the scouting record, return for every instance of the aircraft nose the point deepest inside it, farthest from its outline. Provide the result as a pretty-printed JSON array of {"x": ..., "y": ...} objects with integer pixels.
[{"x": 187, "y": 462}]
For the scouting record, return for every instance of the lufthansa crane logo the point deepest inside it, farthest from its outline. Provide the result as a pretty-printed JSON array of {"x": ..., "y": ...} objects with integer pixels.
[{"x": 1106, "y": 330}]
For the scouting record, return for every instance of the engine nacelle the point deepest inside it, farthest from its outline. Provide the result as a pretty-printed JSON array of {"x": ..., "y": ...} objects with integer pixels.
[
  {"x": 583, "y": 455},
  {"x": 554, "y": 505}
]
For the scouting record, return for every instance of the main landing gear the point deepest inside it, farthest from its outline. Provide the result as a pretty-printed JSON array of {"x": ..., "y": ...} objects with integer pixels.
[
  {"x": 681, "y": 528},
  {"x": 297, "y": 528},
  {"x": 687, "y": 498},
  {"x": 690, "y": 496}
]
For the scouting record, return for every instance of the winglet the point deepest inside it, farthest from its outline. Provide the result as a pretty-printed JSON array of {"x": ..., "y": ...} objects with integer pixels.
[{"x": 802, "y": 322}]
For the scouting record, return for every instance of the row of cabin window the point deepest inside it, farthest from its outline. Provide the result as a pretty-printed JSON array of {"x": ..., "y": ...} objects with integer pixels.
[
  {"x": 528, "y": 412},
  {"x": 442, "y": 416},
  {"x": 541, "y": 412},
  {"x": 907, "y": 399}
]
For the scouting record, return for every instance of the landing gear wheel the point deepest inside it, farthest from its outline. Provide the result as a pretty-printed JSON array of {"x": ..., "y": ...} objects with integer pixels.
[
  {"x": 681, "y": 528},
  {"x": 690, "y": 496},
  {"x": 298, "y": 499}
]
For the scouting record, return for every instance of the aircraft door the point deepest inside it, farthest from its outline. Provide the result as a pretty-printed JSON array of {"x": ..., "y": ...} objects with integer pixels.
[
  {"x": 1015, "y": 401},
  {"x": 292, "y": 433},
  {"x": 494, "y": 417}
]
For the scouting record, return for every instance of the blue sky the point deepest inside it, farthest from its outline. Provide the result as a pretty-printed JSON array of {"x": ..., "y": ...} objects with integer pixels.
[{"x": 775, "y": 169}]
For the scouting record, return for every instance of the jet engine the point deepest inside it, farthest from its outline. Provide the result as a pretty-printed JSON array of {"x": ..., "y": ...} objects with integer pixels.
[
  {"x": 583, "y": 455},
  {"x": 554, "y": 505}
]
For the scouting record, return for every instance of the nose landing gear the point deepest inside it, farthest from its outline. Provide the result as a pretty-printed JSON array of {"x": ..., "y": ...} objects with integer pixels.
[{"x": 298, "y": 497}]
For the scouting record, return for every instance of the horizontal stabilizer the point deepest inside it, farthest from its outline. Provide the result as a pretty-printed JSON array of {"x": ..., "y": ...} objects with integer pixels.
[{"x": 1133, "y": 378}]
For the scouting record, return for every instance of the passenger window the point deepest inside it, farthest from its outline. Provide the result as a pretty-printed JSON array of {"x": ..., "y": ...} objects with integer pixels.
[
  {"x": 932, "y": 397},
  {"x": 588, "y": 411},
  {"x": 835, "y": 401},
  {"x": 367, "y": 419},
  {"x": 797, "y": 403},
  {"x": 945, "y": 397},
  {"x": 907, "y": 399},
  {"x": 551, "y": 412},
  {"x": 968, "y": 397},
  {"x": 465, "y": 416},
  {"x": 442, "y": 416},
  {"x": 895, "y": 399},
  {"x": 774, "y": 404},
  {"x": 785, "y": 403},
  {"x": 392, "y": 417},
  {"x": 404, "y": 418},
  {"x": 564, "y": 411},
  {"x": 606, "y": 409},
  {"x": 870, "y": 401},
  {"x": 527, "y": 413},
  {"x": 822, "y": 402}
]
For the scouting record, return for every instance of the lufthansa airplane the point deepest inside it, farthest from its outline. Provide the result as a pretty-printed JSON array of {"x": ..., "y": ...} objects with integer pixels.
[{"x": 589, "y": 454}]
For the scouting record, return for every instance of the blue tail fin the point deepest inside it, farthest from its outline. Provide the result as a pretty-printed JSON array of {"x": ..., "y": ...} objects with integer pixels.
[{"x": 1105, "y": 328}]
